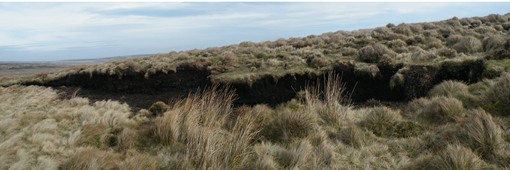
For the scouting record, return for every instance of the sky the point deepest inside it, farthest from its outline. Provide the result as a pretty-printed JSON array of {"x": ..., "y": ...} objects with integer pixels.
[{"x": 65, "y": 31}]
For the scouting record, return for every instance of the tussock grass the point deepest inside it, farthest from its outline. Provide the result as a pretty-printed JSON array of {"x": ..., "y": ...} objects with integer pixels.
[
  {"x": 288, "y": 125},
  {"x": 483, "y": 135},
  {"x": 374, "y": 53},
  {"x": 436, "y": 110},
  {"x": 203, "y": 131},
  {"x": 454, "y": 156},
  {"x": 295, "y": 156},
  {"x": 381, "y": 120},
  {"x": 198, "y": 124},
  {"x": 385, "y": 122},
  {"x": 40, "y": 130},
  {"x": 449, "y": 88},
  {"x": 91, "y": 158},
  {"x": 457, "y": 157},
  {"x": 328, "y": 100},
  {"x": 458, "y": 90},
  {"x": 140, "y": 161},
  {"x": 354, "y": 136},
  {"x": 158, "y": 108},
  {"x": 496, "y": 99},
  {"x": 468, "y": 44}
]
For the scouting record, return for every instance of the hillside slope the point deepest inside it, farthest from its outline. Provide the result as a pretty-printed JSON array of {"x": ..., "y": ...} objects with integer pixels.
[{"x": 404, "y": 61}]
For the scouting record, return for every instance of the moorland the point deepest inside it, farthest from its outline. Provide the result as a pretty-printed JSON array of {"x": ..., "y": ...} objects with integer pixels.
[{"x": 428, "y": 95}]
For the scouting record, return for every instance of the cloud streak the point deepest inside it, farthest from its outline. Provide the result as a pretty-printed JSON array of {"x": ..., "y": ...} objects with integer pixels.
[{"x": 55, "y": 31}]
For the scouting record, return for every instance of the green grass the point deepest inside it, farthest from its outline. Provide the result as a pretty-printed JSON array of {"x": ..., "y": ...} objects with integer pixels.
[{"x": 496, "y": 67}]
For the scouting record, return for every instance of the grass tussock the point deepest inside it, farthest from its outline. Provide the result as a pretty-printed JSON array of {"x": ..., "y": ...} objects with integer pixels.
[
  {"x": 354, "y": 136},
  {"x": 453, "y": 157},
  {"x": 497, "y": 97},
  {"x": 449, "y": 88},
  {"x": 198, "y": 124},
  {"x": 140, "y": 161},
  {"x": 380, "y": 120},
  {"x": 320, "y": 130},
  {"x": 385, "y": 122},
  {"x": 457, "y": 157},
  {"x": 288, "y": 125},
  {"x": 328, "y": 100},
  {"x": 158, "y": 108},
  {"x": 483, "y": 135},
  {"x": 436, "y": 110},
  {"x": 41, "y": 130},
  {"x": 90, "y": 158}
]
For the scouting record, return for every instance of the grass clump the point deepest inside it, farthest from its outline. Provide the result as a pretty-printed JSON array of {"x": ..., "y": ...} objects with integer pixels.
[
  {"x": 447, "y": 52},
  {"x": 495, "y": 68},
  {"x": 140, "y": 161},
  {"x": 482, "y": 135},
  {"x": 468, "y": 44},
  {"x": 497, "y": 99},
  {"x": 385, "y": 122},
  {"x": 374, "y": 53},
  {"x": 197, "y": 126},
  {"x": 295, "y": 156},
  {"x": 449, "y": 88},
  {"x": 455, "y": 89},
  {"x": 91, "y": 158},
  {"x": 288, "y": 125},
  {"x": 436, "y": 110},
  {"x": 271, "y": 156},
  {"x": 354, "y": 136},
  {"x": 453, "y": 157},
  {"x": 406, "y": 129},
  {"x": 96, "y": 135},
  {"x": 457, "y": 157},
  {"x": 158, "y": 108},
  {"x": 381, "y": 120},
  {"x": 366, "y": 70},
  {"x": 327, "y": 100}
]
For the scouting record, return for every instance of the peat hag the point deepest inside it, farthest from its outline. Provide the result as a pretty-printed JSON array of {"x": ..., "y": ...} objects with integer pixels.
[{"x": 140, "y": 91}]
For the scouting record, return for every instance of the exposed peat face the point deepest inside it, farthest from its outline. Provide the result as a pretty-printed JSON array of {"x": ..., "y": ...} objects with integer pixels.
[{"x": 140, "y": 91}]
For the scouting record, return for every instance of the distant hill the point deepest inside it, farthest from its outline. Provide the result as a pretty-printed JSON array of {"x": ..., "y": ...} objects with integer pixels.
[{"x": 31, "y": 68}]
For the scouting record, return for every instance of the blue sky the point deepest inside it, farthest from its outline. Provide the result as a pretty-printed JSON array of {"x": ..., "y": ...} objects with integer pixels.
[{"x": 61, "y": 31}]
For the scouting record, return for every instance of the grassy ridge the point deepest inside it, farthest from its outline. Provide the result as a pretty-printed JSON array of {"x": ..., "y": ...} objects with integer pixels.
[{"x": 408, "y": 44}]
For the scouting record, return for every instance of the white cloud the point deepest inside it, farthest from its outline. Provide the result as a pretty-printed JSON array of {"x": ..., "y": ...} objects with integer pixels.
[{"x": 163, "y": 26}]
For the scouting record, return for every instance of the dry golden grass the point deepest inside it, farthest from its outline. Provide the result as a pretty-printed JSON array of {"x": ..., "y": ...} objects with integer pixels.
[
  {"x": 289, "y": 125},
  {"x": 40, "y": 130},
  {"x": 483, "y": 135},
  {"x": 453, "y": 157},
  {"x": 449, "y": 88},
  {"x": 199, "y": 123},
  {"x": 457, "y": 157},
  {"x": 91, "y": 158},
  {"x": 328, "y": 100},
  {"x": 436, "y": 110},
  {"x": 204, "y": 131}
]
